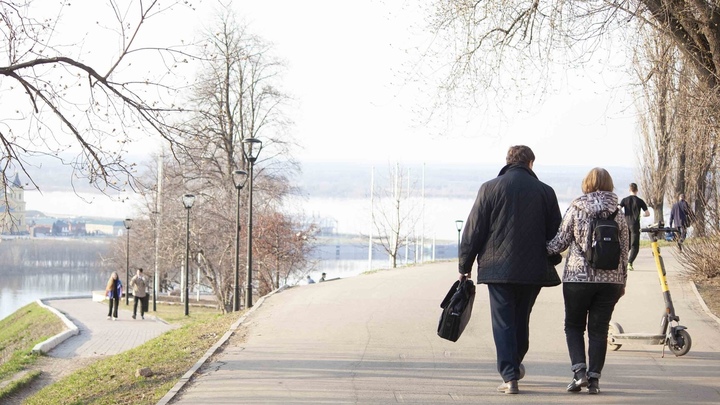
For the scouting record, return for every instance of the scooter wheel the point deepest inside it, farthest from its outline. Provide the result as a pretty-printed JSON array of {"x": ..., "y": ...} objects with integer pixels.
[
  {"x": 614, "y": 329},
  {"x": 682, "y": 343}
]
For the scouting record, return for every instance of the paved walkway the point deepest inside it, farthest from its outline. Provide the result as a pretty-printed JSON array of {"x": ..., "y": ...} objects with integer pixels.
[
  {"x": 372, "y": 340},
  {"x": 99, "y": 336}
]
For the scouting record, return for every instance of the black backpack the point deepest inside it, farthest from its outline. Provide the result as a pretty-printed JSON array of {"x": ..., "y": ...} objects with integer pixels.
[{"x": 603, "y": 245}]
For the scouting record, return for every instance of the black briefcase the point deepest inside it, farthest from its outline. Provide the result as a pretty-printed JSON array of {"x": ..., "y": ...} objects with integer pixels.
[{"x": 457, "y": 308}]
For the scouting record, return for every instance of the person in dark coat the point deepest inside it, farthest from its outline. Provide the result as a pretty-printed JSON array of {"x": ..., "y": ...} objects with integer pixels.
[
  {"x": 681, "y": 216},
  {"x": 513, "y": 217}
]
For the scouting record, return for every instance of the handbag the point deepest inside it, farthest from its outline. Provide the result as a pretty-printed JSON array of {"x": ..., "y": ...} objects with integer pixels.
[{"x": 457, "y": 307}]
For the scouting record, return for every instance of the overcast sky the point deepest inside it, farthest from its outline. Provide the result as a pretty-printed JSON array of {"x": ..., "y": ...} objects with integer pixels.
[{"x": 346, "y": 61}]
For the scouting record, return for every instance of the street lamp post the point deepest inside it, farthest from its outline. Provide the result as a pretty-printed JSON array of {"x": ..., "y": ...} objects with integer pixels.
[
  {"x": 157, "y": 248},
  {"x": 459, "y": 225},
  {"x": 251, "y": 151},
  {"x": 127, "y": 223},
  {"x": 188, "y": 200},
  {"x": 239, "y": 178}
]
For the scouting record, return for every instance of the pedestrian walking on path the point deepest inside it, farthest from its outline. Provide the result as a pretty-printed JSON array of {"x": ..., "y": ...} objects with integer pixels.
[
  {"x": 113, "y": 291},
  {"x": 590, "y": 294},
  {"x": 513, "y": 217},
  {"x": 633, "y": 206},
  {"x": 681, "y": 216},
  {"x": 139, "y": 285}
]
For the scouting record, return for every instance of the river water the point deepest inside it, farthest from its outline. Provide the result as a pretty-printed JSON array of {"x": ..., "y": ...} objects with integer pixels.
[
  {"x": 337, "y": 260},
  {"x": 18, "y": 290}
]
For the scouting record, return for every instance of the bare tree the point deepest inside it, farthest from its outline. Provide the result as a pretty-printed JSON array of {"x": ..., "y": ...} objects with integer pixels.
[
  {"x": 237, "y": 96},
  {"x": 489, "y": 35},
  {"x": 656, "y": 67},
  {"x": 696, "y": 160},
  {"x": 394, "y": 215},
  {"x": 150, "y": 227},
  {"x": 284, "y": 245},
  {"x": 63, "y": 101}
]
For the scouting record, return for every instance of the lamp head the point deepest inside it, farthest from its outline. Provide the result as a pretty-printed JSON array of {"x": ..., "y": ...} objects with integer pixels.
[
  {"x": 459, "y": 224},
  {"x": 188, "y": 200},
  {"x": 127, "y": 222},
  {"x": 252, "y": 149},
  {"x": 239, "y": 178}
]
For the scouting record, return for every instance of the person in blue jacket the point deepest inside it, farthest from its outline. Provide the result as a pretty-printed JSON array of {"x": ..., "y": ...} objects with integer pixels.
[{"x": 113, "y": 291}]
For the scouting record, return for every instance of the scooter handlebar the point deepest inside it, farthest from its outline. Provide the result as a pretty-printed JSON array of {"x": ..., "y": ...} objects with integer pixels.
[{"x": 655, "y": 228}]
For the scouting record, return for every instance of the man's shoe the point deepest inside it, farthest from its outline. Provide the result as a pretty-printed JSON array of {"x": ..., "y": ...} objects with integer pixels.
[
  {"x": 521, "y": 372},
  {"x": 133, "y": 316},
  {"x": 593, "y": 386},
  {"x": 577, "y": 384},
  {"x": 510, "y": 387},
  {"x": 142, "y": 316},
  {"x": 630, "y": 267}
]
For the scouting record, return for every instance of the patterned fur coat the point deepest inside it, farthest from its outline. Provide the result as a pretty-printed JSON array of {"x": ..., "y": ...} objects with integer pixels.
[{"x": 573, "y": 235}]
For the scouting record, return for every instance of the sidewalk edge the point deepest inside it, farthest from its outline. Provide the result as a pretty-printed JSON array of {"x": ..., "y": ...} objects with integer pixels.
[
  {"x": 702, "y": 302},
  {"x": 188, "y": 375},
  {"x": 49, "y": 344}
]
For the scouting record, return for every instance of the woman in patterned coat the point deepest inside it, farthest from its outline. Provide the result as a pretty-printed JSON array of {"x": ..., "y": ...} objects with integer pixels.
[{"x": 590, "y": 294}]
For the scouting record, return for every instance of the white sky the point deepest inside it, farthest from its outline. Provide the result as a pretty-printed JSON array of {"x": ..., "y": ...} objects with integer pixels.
[
  {"x": 344, "y": 70},
  {"x": 344, "y": 59}
]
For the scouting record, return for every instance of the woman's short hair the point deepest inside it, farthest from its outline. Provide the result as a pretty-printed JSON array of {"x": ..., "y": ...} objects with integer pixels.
[
  {"x": 519, "y": 154},
  {"x": 598, "y": 179}
]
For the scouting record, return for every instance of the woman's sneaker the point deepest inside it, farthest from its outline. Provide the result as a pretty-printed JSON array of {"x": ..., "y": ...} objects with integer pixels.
[{"x": 593, "y": 386}]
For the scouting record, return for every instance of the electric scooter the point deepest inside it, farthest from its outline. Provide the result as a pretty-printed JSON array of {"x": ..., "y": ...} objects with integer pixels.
[{"x": 672, "y": 334}]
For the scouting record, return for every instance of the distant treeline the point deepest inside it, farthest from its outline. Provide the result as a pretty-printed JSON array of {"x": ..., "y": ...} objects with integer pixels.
[{"x": 28, "y": 255}]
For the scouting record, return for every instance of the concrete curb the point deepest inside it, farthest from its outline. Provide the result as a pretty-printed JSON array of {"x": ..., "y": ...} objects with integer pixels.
[
  {"x": 702, "y": 303},
  {"x": 187, "y": 376},
  {"x": 72, "y": 329}
]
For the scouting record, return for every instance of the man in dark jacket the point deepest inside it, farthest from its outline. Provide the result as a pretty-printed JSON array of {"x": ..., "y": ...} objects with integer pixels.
[
  {"x": 681, "y": 216},
  {"x": 506, "y": 230}
]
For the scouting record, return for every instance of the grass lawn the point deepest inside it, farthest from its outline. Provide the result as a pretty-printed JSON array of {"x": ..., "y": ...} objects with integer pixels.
[
  {"x": 112, "y": 380},
  {"x": 19, "y": 333}
]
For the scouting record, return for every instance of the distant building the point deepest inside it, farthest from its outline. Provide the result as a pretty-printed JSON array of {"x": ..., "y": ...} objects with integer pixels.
[
  {"x": 99, "y": 229},
  {"x": 12, "y": 209},
  {"x": 68, "y": 228},
  {"x": 39, "y": 231},
  {"x": 17, "y": 220}
]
